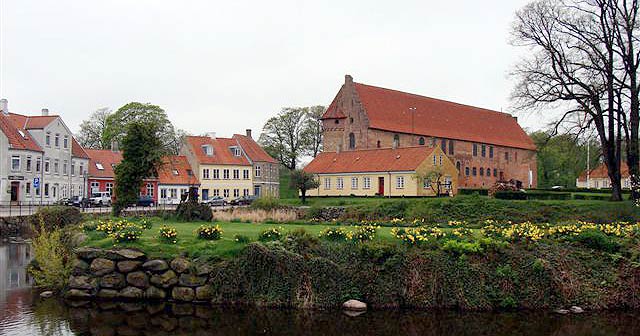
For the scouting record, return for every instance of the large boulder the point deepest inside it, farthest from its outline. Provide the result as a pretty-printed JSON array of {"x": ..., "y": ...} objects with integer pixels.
[
  {"x": 165, "y": 280},
  {"x": 107, "y": 293},
  {"x": 354, "y": 305},
  {"x": 82, "y": 282},
  {"x": 155, "y": 265},
  {"x": 191, "y": 280},
  {"x": 130, "y": 254},
  {"x": 127, "y": 266},
  {"x": 204, "y": 293},
  {"x": 88, "y": 253},
  {"x": 131, "y": 293},
  {"x": 113, "y": 280},
  {"x": 155, "y": 293},
  {"x": 204, "y": 269},
  {"x": 77, "y": 294},
  {"x": 79, "y": 267},
  {"x": 182, "y": 294},
  {"x": 138, "y": 279},
  {"x": 180, "y": 264},
  {"x": 102, "y": 266}
]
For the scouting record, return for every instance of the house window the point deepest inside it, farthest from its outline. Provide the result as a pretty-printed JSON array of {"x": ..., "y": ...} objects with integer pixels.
[
  {"x": 56, "y": 166},
  {"x": 189, "y": 172},
  {"x": 451, "y": 147},
  {"x": 236, "y": 174},
  {"x": 216, "y": 174},
  {"x": 245, "y": 192},
  {"x": 441, "y": 160},
  {"x": 109, "y": 188},
  {"x": 421, "y": 141},
  {"x": 327, "y": 183},
  {"x": 46, "y": 190},
  {"x": 27, "y": 188},
  {"x": 150, "y": 189},
  {"x": 491, "y": 152},
  {"x": 207, "y": 150},
  {"x": 216, "y": 192},
  {"x": 29, "y": 163},
  {"x": 352, "y": 141},
  {"x": 354, "y": 183},
  {"x": 484, "y": 150},
  {"x": 426, "y": 183},
  {"x": 38, "y": 165},
  {"x": 337, "y": 121},
  {"x": 205, "y": 173},
  {"x": 400, "y": 182},
  {"x": 57, "y": 140},
  {"x": 245, "y": 174},
  {"x": 443, "y": 145},
  {"x": 205, "y": 194},
  {"x": 475, "y": 149},
  {"x": 81, "y": 172},
  {"x": 47, "y": 139},
  {"x": 434, "y": 160},
  {"x": 95, "y": 187},
  {"x": 163, "y": 193},
  {"x": 225, "y": 174},
  {"x": 481, "y": 171},
  {"x": 15, "y": 163},
  {"x": 225, "y": 193},
  {"x": 236, "y": 151},
  {"x": 236, "y": 192},
  {"x": 339, "y": 183},
  {"x": 258, "y": 171},
  {"x": 488, "y": 171},
  {"x": 175, "y": 172},
  {"x": 47, "y": 166},
  {"x": 65, "y": 142},
  {"x": 65, "y": 166},
  {"x": 495, "y": 172},
  {"x": 366, "y": 183},
  {"x": 396, "y": 141},
  {"x": 474, "y": 171},
  {"x": 37, "y": 191},
  {"x": 466, "y": 171}
]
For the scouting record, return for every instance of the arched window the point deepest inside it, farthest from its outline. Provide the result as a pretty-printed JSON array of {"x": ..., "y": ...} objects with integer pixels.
[
  {"x": 488, "y": 172},
  {"x": 450, "y": 147},
  {"x": 421, "y": 141},
  {"x": 458, "y": 166},
  {"x": 481, "y": 171},
  {"x": 466, "y": 171},
  {"x": 443, "y": 145},
  {"x": 396, "y": 141},
  {"x": 475, "y": 172},
  {"x": 352, "y": 141},
  {"x": 378, "y": 144}
]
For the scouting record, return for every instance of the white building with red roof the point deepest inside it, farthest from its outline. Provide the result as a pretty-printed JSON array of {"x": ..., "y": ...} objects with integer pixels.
[
  {"x": 42, "y": 160},
  {"x": 175, "y": 177}
]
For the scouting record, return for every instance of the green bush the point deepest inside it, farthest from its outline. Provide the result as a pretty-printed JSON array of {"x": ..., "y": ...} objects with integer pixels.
[
  {"x": 241, "y": 239},
  {"x": 334, "y": 234},
  {"x": 266, "y": 203},
  {"x": 193, "y": 211},
  {"x": 510, "y": 195},
  {"x": 597, "y": 240},
  {"x": 592, "y": 197},
  {"x": 462, "y": 247},
  {"x": 168, "y": 234},
  {"x": 128, "y": 234},
  {"x": 480, "y": 192},
  {"x": 145, "y": 223},
  {"x": 542, "y": 195},
  {"x": 57, "y": 216},
  {"x": 271, "y": 234},
  {"x": 209, "y": 232},
  {"x": 51, "y": 266}
]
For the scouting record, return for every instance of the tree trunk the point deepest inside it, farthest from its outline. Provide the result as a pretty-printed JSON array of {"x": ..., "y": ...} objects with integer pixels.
[{"x": 303, "y": 195}]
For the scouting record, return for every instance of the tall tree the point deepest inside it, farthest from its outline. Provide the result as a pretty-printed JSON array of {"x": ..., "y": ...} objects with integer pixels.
[
  {"x": 577, "y": 63},
  {"x": 313, "y": 130},
  {"x": 91, "y": 133},
  {"x": 117, "y": 124},
  {"x": 283, "y": 136},
  {"x": 141, "y": 157}
]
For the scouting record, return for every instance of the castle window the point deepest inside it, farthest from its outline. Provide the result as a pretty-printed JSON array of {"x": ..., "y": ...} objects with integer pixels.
[
  {"x": 491, "y": 152},
  {"x": 475, "y": 172},
  {"x": 443, "y": 145},
  {"x": 450, "y": 147},
  {"x": 337, "y": 121},
  {"x": 351, "y": 120},
  {"x": 495, "y": 172},
  {"x": 484, "y": 150},
  {"x": 458, "y": 166},
  {"x": 378, "y": 144},
  {"x": 421, "y": 141},
  {"x": 466, "y": 171},
  {"x": 475, "y": 149},
  {"x": 352, "y": 141},
  {"x": 481, "y": 171},
  {"x": 396, "y": 141}
]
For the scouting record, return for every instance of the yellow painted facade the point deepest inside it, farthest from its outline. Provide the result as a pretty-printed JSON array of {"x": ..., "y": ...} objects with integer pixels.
[
  {"x": 217, "y": 184},
  {"x": 394, "y": 183}
]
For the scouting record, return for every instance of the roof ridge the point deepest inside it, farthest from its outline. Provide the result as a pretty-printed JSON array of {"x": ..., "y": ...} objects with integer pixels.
[{"x": 379, "y": 149}]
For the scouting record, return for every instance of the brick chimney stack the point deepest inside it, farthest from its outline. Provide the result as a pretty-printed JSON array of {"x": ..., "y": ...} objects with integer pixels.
[
  {"x": 348, "y": 79},
  {"x": 249, "y": 133},
  {"x": 45, "y": 112},
  {"x": 4, "y": 106}
]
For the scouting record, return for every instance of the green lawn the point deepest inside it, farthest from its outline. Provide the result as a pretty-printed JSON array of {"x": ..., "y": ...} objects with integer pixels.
[{"x": 225, "y": 247}]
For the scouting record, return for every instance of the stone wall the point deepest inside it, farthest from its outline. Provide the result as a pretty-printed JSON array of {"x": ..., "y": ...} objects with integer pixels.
[
  {"x": 128, "y": 274},
  {"x": 17, "y": 226}
]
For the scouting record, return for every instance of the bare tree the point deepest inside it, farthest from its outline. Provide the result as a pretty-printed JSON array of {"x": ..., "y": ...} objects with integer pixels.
[
  {"x": 313, "y": 130},
  {"x": 577, "y": 64}
]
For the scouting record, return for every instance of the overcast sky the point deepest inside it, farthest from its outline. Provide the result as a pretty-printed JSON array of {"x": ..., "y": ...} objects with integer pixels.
[{"x": 229, "y": 65}]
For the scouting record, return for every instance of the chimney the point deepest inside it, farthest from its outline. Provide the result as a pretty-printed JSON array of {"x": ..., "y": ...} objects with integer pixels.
[
  {"x": 4, "y": 106},
  {"x": 212, "y": 135},
  {"x": 516, "y": 118},
  {"x": 45, "y": 112},
  {"x": 249, "y": 132},
  {"x": 348, "y": 79}
]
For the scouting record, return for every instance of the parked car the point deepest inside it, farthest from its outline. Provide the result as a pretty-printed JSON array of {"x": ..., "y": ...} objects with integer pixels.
[
  {"x": 242, "y": 200},
  {"x": 101, "y": 198},
  {"x": 145, "y": 200},
  {"x": 215, "y": 201},
  {"x": 64, "y": 201},
  {"x": 81, "y": 202}
]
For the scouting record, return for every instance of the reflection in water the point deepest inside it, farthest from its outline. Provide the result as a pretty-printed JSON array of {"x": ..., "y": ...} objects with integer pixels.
[{"x": 23, "y": 313}]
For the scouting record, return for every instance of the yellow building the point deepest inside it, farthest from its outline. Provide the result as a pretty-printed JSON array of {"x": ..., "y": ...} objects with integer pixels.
[
  {"x": 221, "y": 165},
  {"x": 408, "y": 171}
]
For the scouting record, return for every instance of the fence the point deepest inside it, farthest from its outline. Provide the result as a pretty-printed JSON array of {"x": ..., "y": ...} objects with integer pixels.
[{"x": 12, "y": 209}]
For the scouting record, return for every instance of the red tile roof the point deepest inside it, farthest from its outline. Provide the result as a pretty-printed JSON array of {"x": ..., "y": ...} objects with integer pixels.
[
  {"x": 369, "y": 160},
  {"x": 32, "y": 122},
  {"x": 333, "y": 111},
  {"x": 107, "y": 158},
  {"x": 253, "y": 150},
  {"x": 17, "y": 140},
  {"x": 221, "y": 153},
  {"x": 171, "y": 165},
  {"x": 601, "y": 171},
  {"x": 389, "y": 110},
  {"x": 77, "y": 150}
]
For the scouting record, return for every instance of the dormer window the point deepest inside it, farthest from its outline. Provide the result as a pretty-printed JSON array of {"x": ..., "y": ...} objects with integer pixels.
[
  {"x": 207, "y": 150},
  {"x": 99, "y": 166},
  {"x": 175, "y": 172},
  {"x": 236, "y": 151}
]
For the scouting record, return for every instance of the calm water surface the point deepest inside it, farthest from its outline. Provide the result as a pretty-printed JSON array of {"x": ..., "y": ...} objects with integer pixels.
[{"x": 23, "y": 313}]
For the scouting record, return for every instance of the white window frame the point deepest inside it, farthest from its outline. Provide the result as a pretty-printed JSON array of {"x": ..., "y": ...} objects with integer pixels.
[
  {"x": 205, "y": 173},
  {"x": 245, "y": 174},
  {"x": 225, "y": 174},
  {"x": 354, "y": 182},
  {"x": 399, "y": 182},
  {"x": 236, "y": 174},
  {"x": 339, "y": 183},
  {"x": 47, "y": 165},
  {"x": 327, "y": 183},
  {"x": 16, "y": 159},
  {"x": 150, "y": 189},
  {"x": 225, "y": 193},
  {"x": 109, "y": 187},
  {"x": 65, "y": 142},
  {"x": 216, "y": 174},
  {"x": 28, "y": 164},
  {"x": 236, "y": 192},
  {"x": 258, "y": 171},
  {"x": 366, "y": 183}
]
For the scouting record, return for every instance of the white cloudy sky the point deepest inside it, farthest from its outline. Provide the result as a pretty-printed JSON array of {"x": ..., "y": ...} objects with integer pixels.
[{"x": 229, "y": 65}]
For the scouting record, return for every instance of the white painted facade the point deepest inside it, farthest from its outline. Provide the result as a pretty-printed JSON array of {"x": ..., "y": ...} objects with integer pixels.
[{"x": 171, "y": 193}]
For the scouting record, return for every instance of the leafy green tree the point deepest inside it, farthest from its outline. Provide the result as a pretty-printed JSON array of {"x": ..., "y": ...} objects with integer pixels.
[
  {"x": 313, "y": 130},
  {"x": 117, "y": 124},
  {"x": 303, "y": 181},
  {"x": 561, "y": 158},
  {"x": 92, "y": 130},
  {"x": 141, "y": 157}
]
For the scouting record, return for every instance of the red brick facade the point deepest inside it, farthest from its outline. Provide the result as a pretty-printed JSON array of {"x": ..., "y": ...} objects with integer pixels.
[{"x": 347, "y": 126}]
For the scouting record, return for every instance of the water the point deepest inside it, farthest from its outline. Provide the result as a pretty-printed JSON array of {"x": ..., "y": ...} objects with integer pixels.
[{"x": 22, "y": 312}]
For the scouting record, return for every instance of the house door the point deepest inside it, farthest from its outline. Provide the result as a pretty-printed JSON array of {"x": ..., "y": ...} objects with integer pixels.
[
  {"x": 381, "y": 186},
  {"x": 256, "y": 191},
  {"x": 15, "y": 188}
]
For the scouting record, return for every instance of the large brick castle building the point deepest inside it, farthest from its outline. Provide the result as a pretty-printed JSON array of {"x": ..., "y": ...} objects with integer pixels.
[{"x": 486, "y": 146}]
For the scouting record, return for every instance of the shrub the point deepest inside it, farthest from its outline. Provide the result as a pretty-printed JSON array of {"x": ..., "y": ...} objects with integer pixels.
[
  {"x": 110, "y": 226},
  {"x": 271, "y": 234},
  {"x": 481, "y": 192},
  {"x": 168, "y": 234},
  {"x": 266, "y": 203},
  {"x": 462, "y": 247},
  {"x": 333, "y": 234},
  {"x": 90, "y": 226},
  {"x": 145, "y": 223},
  {"x": 209, "y": 232},
  {"x": 597, "y": 240},
  {"x": 194, "y": 211},
  {"x": 51, "y": 265},
  {"x": 363, "y": 233},
  {"x": 57, "y": 216},
  {"x": 510, "y": 195},
  {"x": 416, "y": 236},
  {"x": 128, "y": 234},
  {"x": 241, "y": 239}
]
